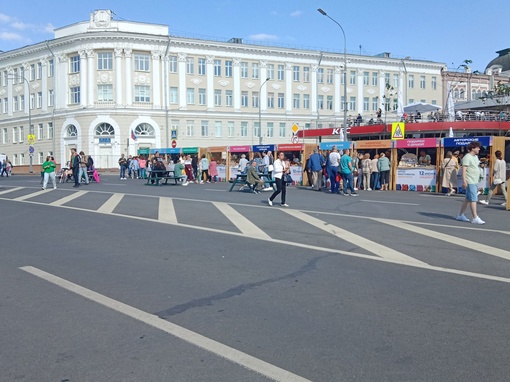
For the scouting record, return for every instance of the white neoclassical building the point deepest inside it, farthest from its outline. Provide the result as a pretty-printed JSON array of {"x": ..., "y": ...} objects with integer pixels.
[{"x": 102, "y": 82}]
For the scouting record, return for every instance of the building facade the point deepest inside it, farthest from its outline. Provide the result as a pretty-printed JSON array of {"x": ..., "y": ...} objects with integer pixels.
[{"x": 101, "y": 83}]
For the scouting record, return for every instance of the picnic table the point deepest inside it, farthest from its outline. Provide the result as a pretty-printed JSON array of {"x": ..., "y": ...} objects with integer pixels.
[
  {"x": 156, "y": 178},
  {"x": 241, "y": 180}
]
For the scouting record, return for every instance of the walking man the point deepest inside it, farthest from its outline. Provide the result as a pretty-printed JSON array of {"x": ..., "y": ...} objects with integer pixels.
[
  {"x": 316, "y": 162},
  {"x": 75, "y": 165},
  {"x": 470, "y": 179}
]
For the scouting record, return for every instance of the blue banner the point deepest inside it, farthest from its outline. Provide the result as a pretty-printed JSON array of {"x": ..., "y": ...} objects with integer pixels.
[
  {"x": 167, "y": 151},
  {"x": 340, "y": 145},
  {"x": 261, "y": 148},
  {"x": 459, "y": 142}
]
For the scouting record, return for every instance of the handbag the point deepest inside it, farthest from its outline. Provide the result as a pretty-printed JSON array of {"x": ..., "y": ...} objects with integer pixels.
[
  {"x": 288, "y": 178},
  {"x": 270, "y": 168}
]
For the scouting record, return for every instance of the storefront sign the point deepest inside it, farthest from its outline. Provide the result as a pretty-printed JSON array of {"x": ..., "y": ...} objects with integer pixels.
[
  {"x": 262, "y": 148},
  {"x": 412, "y": 143},
  {"x": 382, "y": 144},
  {"x": 144, "y": 151},
  {"x": 456, "y": 142},
  {"x": 340, "y": 145},
  {"x": 416, "y": 179},
  {"x": 190, "y": 150},
  {"x": 166, "y": 151},
  {"x": 217, "y": 149},
  {"x": 222, "y": 172},
  {"x": 296, "y": 172},
  {"x": 290, "y": 147},
  {"x": 239, "y": 149}
]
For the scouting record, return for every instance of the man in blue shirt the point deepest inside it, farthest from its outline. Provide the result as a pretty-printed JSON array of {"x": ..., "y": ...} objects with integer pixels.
[
  {"x": 317, "y": 161},
  {"x": 346, "y": 171}
]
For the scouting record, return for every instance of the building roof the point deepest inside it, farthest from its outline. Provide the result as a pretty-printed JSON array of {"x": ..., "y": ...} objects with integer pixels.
[{"x": 501, "y": 62}]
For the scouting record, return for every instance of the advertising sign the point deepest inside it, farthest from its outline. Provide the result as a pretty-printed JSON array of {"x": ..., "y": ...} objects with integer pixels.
[{"x": 416, "y": 179}]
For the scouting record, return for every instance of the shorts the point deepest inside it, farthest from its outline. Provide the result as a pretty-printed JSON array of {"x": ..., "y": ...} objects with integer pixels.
[{"x": 472, "y": 192}]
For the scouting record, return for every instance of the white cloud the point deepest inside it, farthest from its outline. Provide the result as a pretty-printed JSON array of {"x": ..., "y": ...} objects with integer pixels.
[
  {"x": 263, "y": 37},
  {"x": 273, "y": 13},
  {"x": 9, "y": 36},
  {"x": 4, "y": 18},
  {"x": 296, "y": 14},
  {"x": 49, "y": 28},
  {"x": 21, "y": 26}
]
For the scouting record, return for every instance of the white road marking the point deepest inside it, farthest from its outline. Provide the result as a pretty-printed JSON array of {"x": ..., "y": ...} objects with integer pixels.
[
  {"x": 110, "y": 204},
  {"x": 473, "y": 245},
  {"x": 360, "y": 241},
  {"x": 29, "y": 196},
  {"x": 383, "y": 202},
  {"x": 166, "y": 210},
  {"x": 243, "y": 224},
  {"x": 11, "y": 190},
  {"x": 184, "y": 334},
  {"x": 68, "y": 198}
]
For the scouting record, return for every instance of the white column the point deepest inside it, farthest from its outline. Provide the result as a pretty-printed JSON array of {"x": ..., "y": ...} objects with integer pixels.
[
  {"x": 359, "y": 105},
  {"x": 91, "y": 77},
  {"x": 209, "y": 71},
  {"x": 263, "y": 91},
  {"x": 237, "y": 85},
  {"x": 44, "y": 84},
  {"x": 182, "y": 80},
  {"x": 156, "y": 80},
  {"x": 9, "y": 92},
  {"x": 118, "y": 77},
  {"x": 288, "y": 87},
  {"x": 26, "y": 90},
  {"x": 382, "y": 88},
  {"x": 313, "y": 85},
  {"x": 62, "y": 95},
  {"x": 83, "y": 78},
  {"x": 128, "y": 75},
  {"x": 338, "y": 95}
]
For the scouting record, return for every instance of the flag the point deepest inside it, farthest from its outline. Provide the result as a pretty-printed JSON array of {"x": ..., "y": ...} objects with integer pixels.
[{"x": 133, "y": 136}]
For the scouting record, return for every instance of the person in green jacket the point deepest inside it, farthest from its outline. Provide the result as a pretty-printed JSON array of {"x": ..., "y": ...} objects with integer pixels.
[
  {"x": 49, "y": 172},
  {"x": 179, "y": 171},
  {"x": 383, "y": 165}
]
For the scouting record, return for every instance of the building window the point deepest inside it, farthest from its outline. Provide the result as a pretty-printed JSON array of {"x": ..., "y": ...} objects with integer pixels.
[
  {"x": 15, "y": 103},
  {"x": 352, "y": 103},
  {"x": 422, "y": 82},
  {"x": 201, "y": 66},
  {"x": 32, "y": 101},
  {"x": 4, "y": 78},
  {"x": 190, "y": 65},
  {"x": 255, "y": 99},
  {"x": 172, "y": 63},
  {"x": 410, "y": 82},
  {"x": 320, "y": 75},
  {"x": 343, "y": 78},
  {"x": 228, "y": 68},
  {"x": 256, "y": 128},
  {"x": 320, "y": 102},
  {"x": 352, "y": 79},
  {"x": 375, "y": 103},
  {"x": 21, "y": 134},
  {"x": 105, "y": 61},
  {"x": 142, "y": 62},
  {"x": 329, "y": 76},
  {"x": 254, "y": 70},
  {"x": 244, "y": 129},
  {"x": 306, "y": 101},
  {"x": 71, "y": 132},
  {"x": 217, "y": 68},
  {"x": 375, "y": 76},
  {"x": 174, "y": 95},
  {"x": 270, "y": 130},
  {"x": 74, "y": 64},
  {"x": 217, "y": 129},
  {"x": 329, "y": 102},
  {"x": 365, "y": 78},
  {"x": 15, "y": 78},
  {"x": 281, "y": 73},
  {"x": 75, "y": 95},
  {"x": 14, "y": 135},
  {"x": 270, "y": 100},
  {"x": 295, "y": 73},
  {"x": 296, "y": 100},
  {"x": 105, "y": 93},
  {"x": 51, "y": 97},
  {"x": 5, "y": 136},
  {"x": 142, "y": 93},
  {"x": 244, "y": 99},
  {"x": 190, "y": 96},
  {"x": 39, "y": 71},
  {"x": 21, "y": 159},
  {"x": 434, "y": 83},
  {"x": 50, "y": 130},
  {"x": 40, "y": 158},
  {"x": 282, "y": 132},
  {"x": 40, "y": 131},
  {"x": 270, "y": 71},
  {"x": 386, "y": 78},
  {"x": 228, "y": 97},
  {"x": 306, "y": 74},
  {"x": 366, "y": 101},
  {"x": 5, "y": 105},
  {"x": 22, "y": 102},
  {"x": 51, "y": 68},
  {"x": 31, "y": 74},
  {"x": 202, "y": 97},
  {"x": 104, "y": 129},
  {"x": 281, "y": 100},
  {"x": 395, "y": 81},
  {"x": 244, "y": 70},
  {"x": 190, "y": 128},
  {"x": 217, "y": 97},
  {"x": 145, "y": 130},
  {"x": 231, "y": 129}
]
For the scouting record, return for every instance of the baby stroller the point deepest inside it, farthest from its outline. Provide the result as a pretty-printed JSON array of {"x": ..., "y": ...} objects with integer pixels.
[{"x": 65, "y": 175}]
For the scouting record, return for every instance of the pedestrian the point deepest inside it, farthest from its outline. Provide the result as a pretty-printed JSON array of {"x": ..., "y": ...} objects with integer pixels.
[
  {"x": 449, "y": 168},
  {"x": 213, "y": 170},
  {"x": 194, "y": 166},
  {"x": 383, "y": 165},
  {"x": 123, "y": 166},
  {"x": 83, "y": 168},
  {"x": 204, "y": 166},
  {"x": 366, "y": 165},
  {"x": 498, "y": 178},
  {"x": 470, "y": 179},
  {"x": 49, "y": 173},
  {"x": 4, "y": 169},
  {"x": 374, "y": 172},
  {"x": 346, "y": 170},
  {"x": 316, "y": 163},
  {"x": 75, "y": 165},
  {"x": 334, "y": 163},
  {"x": 280, "y": 169}
]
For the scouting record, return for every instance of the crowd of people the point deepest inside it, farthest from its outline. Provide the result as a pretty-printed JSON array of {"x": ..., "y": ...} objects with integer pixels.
[{"x": 5, "y": 168}]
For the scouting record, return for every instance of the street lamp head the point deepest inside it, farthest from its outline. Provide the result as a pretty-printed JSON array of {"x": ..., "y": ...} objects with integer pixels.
[
  {"x": 267, "y": 79},
  {"x": 322, "y": 12}
]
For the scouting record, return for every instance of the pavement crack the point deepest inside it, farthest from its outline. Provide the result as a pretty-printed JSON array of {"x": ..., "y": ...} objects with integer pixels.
[{"x": 239, "y": 290}]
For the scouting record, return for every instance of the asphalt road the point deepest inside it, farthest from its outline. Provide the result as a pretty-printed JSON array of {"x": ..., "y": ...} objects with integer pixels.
[{"x": 119, "y": 281}]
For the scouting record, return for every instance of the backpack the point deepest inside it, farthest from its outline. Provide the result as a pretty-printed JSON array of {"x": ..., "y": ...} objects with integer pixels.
[{"x": 90, "y": 162}]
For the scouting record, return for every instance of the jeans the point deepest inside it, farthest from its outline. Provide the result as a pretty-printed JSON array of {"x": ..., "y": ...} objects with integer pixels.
[
  {"x": 374, "y": 179},
  {"x": 83, "y": 171},
  {"x": 122, "y": 172},
  {"x": 335, "y": 185},
  {"x": 50, "y": 175},
  {"x": 142, "y": 173},
  {"x": 348, "y": 179},
  {"x": 76, "y": 176}
]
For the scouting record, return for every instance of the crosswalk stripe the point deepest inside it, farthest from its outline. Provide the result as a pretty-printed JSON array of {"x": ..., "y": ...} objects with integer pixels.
[
  {"x": 360, "y": 241},
  {"x": 28, "y": 196},
  {"x": 166, "y": 210},
  {"x": 110, "y": 204},
  {"x": 243, "y": 224},
  {"x": 11, "y": 190},
  {"x": 68, "y": 198},
  {"x": 472, "y": 245}
]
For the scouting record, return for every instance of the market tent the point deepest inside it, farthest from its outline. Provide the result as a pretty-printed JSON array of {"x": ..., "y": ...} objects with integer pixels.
[{"x": 421, "y": 107}]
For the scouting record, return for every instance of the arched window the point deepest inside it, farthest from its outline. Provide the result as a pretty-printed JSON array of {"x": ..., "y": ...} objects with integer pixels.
[
  {"x": 145, "y": 130},
  {"x": 71, "y": 131},
  {"x": 105, "y": 129}
]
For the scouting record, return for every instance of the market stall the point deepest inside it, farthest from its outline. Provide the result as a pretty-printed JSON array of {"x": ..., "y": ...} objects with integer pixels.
[
  {"x": 375, "y": 147},
  {"x": 234, "y": 154},
  {"x": 219, "y": 154},
  {"x": 294, "y": 155}
]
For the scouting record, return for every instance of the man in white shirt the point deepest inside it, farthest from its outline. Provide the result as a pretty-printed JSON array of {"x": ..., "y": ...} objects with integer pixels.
[
  {"x": 242, "y": 164},
  {"x": 334, "y": 162}
]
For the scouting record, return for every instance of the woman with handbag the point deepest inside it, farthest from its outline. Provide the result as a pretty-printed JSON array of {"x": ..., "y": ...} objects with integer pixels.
[
  {"x": 280, "y": 170},
  {"x": 499, "y": 175},
  {"x": 449, "y": 168}
]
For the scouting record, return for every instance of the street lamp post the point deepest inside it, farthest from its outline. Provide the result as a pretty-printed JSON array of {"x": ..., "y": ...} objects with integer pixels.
[
  {"x": 260, "y": 111},
  {"x": 345, "y": 70},
  {"x": 29, "y": 115}
]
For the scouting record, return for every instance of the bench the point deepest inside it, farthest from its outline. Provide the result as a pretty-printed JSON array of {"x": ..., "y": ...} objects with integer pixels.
[
  {"x": 241, "y": 181},
  {"x": 158, "y": 176}
]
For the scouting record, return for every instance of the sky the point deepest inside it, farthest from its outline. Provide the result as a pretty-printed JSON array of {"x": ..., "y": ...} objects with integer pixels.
[{"x": 449, "y": 32}]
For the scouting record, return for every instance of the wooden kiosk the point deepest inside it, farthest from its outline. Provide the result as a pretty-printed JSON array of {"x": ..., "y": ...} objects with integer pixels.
[
  {"x": 294, "y": 150},
  {"x": 233, "y": 155},
  {"x": 374, "y": 147},
  {"x": 219, "y": 153}
]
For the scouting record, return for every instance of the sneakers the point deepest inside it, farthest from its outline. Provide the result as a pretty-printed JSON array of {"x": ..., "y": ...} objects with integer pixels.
[
  {"x": 284, "y": 205},
  {"x": 185, "y": 183},
  {"x": 269, "y": 201},
  {"x": 256, "y": 192},
  {"x": 55, "y": 187},
  {"x": 369, "y": 189},
  {"x": 462, "y": 218},
  {"x": 345, "y": 194},
  {"x": 43, "y": 188},
  {"x": 503, "y": 204},
  {"x": 477, "y": 220},
  {"x": 268, "y": 189},
  {"x": 354, "y": 194},
  {"x": 485, "y": 202}
]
